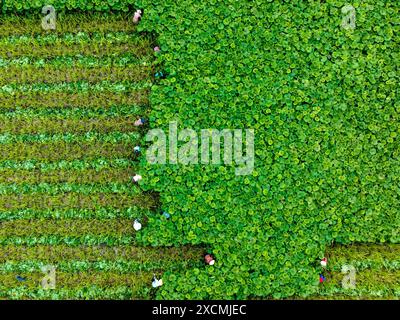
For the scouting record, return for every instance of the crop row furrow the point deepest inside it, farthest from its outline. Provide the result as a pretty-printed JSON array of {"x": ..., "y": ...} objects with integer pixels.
[
  {"x": 360, "y": 252},
  {"x": 367, "y": 277},
  {"x": 74, "y": 280},
  {"x": 67, "y": 100},
  {"x": 57, "y": 151},
  {"x": 371, "y": 264},
  {"x": 66, "y": 227},
  {"x": 52, "y": 125},
  {"x": 98, "y": 253}
]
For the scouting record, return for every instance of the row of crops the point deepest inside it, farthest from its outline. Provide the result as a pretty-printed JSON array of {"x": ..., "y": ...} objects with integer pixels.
[
  {"x": 68, "y": 103},
  {"x": 365, "y": 271},
  {"x": 323, "y": 102}
]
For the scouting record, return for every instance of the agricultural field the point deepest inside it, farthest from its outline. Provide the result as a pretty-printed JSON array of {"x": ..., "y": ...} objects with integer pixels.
[
  {"x": 322, "y": 101},
  {"x": 68, "y": 103}
]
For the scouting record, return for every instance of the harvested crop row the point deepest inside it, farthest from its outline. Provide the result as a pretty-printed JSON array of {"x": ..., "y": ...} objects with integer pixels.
[
  {"x": 57, "y": 151},
  {"x": 360, "y": 252},
  {"x": 50, "y": 125},
  {"x": 370, "y": 264},
  {"x": 78, "y": 22},
  {"x": 81, "y": 279},
  {"x": 364, "y": 257},
  {"x": 82, "y": 240},
  {"x": 373, "y": 278},
  {"x": 49, "y": 74},
  {"x": 98, "y": 253},
  {"x": 60, "y": 99},
  {"x": 90, "y": 176},
  {"x": 117, "y": 265},
  {"x": 363, "y": 292},
  {"x": 66, "y": 227},
  {"x": 98, "y": 50},
  {"x": 375, "y": 272},
  {"x": 72, "y": 200}
]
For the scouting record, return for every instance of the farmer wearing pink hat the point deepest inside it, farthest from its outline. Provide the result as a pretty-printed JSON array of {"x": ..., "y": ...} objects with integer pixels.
[{"x": 209, "y": 259}]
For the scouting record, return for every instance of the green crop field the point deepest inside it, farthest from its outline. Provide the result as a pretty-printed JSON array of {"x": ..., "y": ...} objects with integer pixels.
[
  {"x": 324, "y": 105},
  {"x": 68, "y": 103}
]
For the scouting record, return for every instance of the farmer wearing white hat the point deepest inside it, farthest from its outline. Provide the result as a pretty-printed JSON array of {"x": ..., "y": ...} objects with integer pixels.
[
  {"x": 156, "y": 282},
  {"x": 137, "y": 225}
]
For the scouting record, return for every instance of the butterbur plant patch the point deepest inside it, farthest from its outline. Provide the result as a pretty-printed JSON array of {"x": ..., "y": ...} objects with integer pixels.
[{"x": 261, "y": 136}]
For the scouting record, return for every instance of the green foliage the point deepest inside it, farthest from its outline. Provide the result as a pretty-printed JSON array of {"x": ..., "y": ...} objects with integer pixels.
[
  {"x": 75, "y": 200},
  {"x": 324, "y": 106},
  {"x": 61, "y": 150},
  {"x": 68, "y": 104},
  {"x": 61, "y": 99},
  {"x": 90, "y": 22}
]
